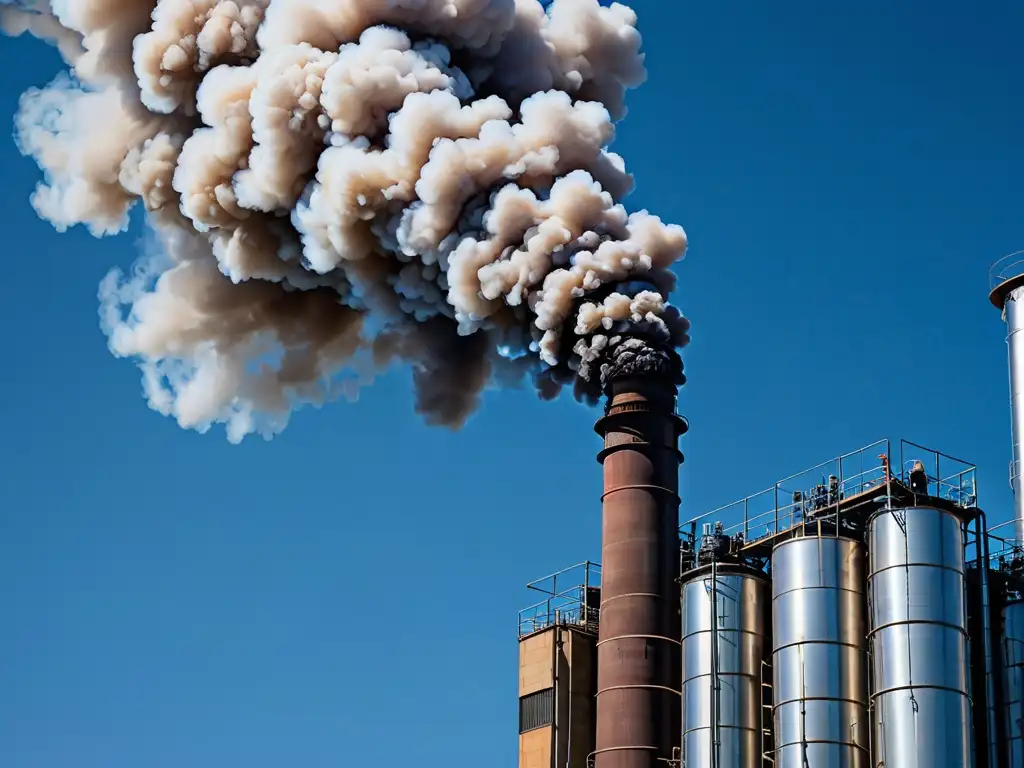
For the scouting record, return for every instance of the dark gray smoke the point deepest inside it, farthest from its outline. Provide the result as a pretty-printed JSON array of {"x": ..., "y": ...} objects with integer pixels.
[{"x": 336, "y": 185}]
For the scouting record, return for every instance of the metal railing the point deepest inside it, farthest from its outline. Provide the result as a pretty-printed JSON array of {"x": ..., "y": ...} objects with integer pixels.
[
  {"x": 775, "y": 509},
  {"x": 1003, "y": 545},
  {"x": 789, "y": 501},
  {"x": 1007, "y": 268},
  {"x": 570, "y": 600},
  {"x": 949, "y": 478}
]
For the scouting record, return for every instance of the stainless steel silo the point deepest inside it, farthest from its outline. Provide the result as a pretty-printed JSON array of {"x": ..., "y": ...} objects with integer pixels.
[
  {"x": 1013, "y": 681},
  {"x": 918, "y": 619},
  {"x": 725, "y": 629},
  {"x": 819, "y": 635}
]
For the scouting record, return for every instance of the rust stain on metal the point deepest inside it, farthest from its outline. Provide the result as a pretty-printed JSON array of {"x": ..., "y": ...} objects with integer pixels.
[{"x": 638, "y": 701}]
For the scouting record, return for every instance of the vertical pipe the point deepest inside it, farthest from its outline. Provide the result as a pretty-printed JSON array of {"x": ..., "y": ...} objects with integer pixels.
[
  {"x": 776, "y": 508},
  {"x": 1013, "y": 311},
  {"x": 569, "y": 693},
  {"x": 586, "y": 594},
  {"x": 1009, "y": 297},
  {"x": 990, "y": 645},
  {"x": 556, "y": 642},
  {"x": 1013, "y": 682},
  {"x": 716, "y": 679},
  {"x": 639, "y": 663},
  {"x": 682, "y": 666},
  {"x": 682, "y": 669}
]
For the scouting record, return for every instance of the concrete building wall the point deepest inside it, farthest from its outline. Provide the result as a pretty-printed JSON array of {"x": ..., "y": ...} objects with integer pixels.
[
  {"x": 579, "y": 707},
  {"x": 535, "y": 749},
  {"x": 563, "y": 659},
  {"x": 535, "y": 662}
]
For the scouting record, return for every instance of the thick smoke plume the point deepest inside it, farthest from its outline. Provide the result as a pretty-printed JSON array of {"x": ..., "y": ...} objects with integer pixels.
[{"x": 336, "y": 185}]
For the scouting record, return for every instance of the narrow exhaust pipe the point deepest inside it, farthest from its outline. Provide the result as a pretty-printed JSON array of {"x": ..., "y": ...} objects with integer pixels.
[{"x": 1006, "y": 285}]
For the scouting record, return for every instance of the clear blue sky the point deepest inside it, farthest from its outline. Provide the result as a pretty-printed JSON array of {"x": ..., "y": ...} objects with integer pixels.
[{"x": 346, "y": 595}]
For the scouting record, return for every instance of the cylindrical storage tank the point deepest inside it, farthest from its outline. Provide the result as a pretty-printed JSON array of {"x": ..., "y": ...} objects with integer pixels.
[
  {"x": 725, "y": 634},
  {"x": 918, "y": 616},
  {"x": 1013, "y": 681},
  {"x": 819, "y": 659}
]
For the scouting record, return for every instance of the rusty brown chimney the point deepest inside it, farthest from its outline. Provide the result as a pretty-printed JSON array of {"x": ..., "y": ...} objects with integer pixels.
[{"x": 638, "y": 656}]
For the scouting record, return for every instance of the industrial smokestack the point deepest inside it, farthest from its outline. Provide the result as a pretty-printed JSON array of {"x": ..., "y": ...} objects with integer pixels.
[
  {"x": 639, "y": 655},
  {"x": 1006, "y": 281},
  {"x": 333, "y": 186}
]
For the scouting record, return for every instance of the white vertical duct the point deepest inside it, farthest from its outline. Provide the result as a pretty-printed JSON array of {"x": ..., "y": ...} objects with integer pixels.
[
  {"x": 1014, "y": 314},
  {"x": 1007, "y": 278},
  {"x": 1006, "y": 281}
]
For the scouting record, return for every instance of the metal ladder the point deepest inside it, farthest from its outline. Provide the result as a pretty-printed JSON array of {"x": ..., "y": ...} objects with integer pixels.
[{"x": 767, "y": 715}]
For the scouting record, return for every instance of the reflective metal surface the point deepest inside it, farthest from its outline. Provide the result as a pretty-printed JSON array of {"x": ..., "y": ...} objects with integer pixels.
[
  {"x": 723, "y": 709},
  {"x": 1013, "y": 681},
  {"x": 1014, "y": 313},
  {"x": 989, "y": 731},
  {"x": 984, "y": 651},
  {"x": 819, "y": 628},
  {"x": 922, "y": 710}
]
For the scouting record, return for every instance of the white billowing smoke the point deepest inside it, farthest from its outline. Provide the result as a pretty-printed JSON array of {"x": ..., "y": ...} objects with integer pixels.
[{"x": 334, "y": 185}]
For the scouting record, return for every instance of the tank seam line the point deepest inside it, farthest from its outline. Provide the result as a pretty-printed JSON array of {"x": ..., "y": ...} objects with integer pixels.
[
  {"x": 816, "y": 588},
  {"x": 841, "y": 644},
  {"x": 904, "y": 566}
]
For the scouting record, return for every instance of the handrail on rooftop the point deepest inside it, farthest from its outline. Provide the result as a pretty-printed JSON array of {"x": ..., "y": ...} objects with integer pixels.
[
  {"x": 1007, "y": 268},
  {"x": 774, "y": 509},
  {"x": 553, "y": 578},
  {"x": 938, "y": 454},
  {"x": 838, "y": 459},
  {"x": 568, "y": 604},
  {"x": 788, "y": 512}
]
